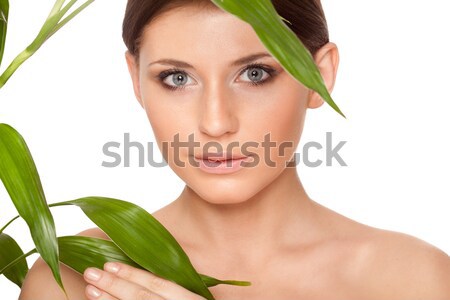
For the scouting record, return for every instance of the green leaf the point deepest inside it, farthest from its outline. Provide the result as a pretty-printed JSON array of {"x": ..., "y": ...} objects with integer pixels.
[
  {"x": 21, "y": 179},
  {"x": 80, "y": 253},
  {"x": 281, "y": 42},
  {"x": 4, "y": 11},
  {"x": 9, "y": 251},
  {"x": 142, "y": 238}
]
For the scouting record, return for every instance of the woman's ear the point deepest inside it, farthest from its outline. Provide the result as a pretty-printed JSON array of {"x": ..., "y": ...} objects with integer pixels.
[
  {"x": 327, "y": 60},
  {"x": 133, "y": 68}
]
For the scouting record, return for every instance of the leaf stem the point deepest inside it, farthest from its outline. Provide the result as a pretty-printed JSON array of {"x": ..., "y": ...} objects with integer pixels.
[
  {"x": 71, "y": 16},
  {"x": 23, "y": 56},
  {"x": 56, "y": 7},
  {"x": 52, "y": 24},
  {"x": 7, "y": 224},
  {"x": 49, "y": 205},
  {"x": 17, "y": 260}
]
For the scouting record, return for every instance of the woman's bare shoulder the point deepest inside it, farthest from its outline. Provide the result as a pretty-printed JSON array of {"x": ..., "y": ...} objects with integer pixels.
[
  {"x": 40, "y": 284},
  {"x": 401, "y": 266},
  {"x": 386, "y": 264}
]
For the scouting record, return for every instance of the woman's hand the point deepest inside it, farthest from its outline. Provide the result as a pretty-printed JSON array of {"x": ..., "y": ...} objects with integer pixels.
[{"x": 123, "y": 282}]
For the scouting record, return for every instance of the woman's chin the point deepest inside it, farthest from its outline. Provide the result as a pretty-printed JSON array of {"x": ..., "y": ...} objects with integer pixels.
[
  {"x": 224, "y": 200},
  {"x": 233, "y": 188},
  {"x": 226, "y": 192}
]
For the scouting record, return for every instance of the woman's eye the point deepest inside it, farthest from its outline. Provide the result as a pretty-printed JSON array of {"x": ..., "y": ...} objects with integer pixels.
[
  {"x": 175, "y": 79},
  {"x": 257, "y": 74}
]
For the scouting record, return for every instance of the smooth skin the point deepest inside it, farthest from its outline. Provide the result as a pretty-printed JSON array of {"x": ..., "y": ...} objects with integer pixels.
[{"x": 257, "y": 224}]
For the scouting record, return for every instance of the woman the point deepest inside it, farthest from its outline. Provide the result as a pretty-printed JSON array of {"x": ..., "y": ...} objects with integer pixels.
[{"x": 202, "y": 75}]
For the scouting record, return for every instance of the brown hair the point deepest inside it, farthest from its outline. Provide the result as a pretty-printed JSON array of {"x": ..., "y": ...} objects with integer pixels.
[{"x": 305, "y": 18}]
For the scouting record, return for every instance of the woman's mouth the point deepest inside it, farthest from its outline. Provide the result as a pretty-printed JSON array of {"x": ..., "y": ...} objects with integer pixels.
[{"x": 221, "y": 163}]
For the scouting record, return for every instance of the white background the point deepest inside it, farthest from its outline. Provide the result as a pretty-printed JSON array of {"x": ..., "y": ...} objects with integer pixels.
[{"x": 74, "y": 95}]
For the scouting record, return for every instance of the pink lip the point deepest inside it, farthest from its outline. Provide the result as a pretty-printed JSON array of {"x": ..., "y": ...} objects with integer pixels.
[
  {"x": 221, "y": 166},
  {"x": 218, "y": 156}
]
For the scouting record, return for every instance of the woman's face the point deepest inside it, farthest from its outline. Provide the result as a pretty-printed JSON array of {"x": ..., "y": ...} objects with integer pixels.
[{"x": 216, "y": 99}]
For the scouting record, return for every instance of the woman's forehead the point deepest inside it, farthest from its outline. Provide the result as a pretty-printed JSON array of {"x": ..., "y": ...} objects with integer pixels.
[{"x": 199, "y": 31}]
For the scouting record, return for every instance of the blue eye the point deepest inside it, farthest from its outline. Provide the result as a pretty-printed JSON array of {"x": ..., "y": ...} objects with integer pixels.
[
  {"x": 176, "y": 79},
  {"x": 257, "y": 74}
]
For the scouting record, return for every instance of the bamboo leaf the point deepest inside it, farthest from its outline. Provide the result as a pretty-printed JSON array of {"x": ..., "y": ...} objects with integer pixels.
[
  {"x": 142, "y": 238},
  {"x": 21, "y": 180},
  {"x": 9, "y": 251},
  {"x": 4, "y": 11},
  {"x": 281, "y": 42},
  {"x": 80, "y": 252}
]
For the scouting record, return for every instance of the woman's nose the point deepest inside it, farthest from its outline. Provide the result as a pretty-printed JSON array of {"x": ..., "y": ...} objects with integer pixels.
[{"x": 217, "y": 114}]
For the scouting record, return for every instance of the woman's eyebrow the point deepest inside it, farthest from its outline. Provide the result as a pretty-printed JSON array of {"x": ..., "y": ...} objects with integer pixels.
[{"x": 182, "y": 64}]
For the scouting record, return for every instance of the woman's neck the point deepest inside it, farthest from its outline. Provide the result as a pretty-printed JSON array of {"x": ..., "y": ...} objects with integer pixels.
[{"x": 278, "y": 217}]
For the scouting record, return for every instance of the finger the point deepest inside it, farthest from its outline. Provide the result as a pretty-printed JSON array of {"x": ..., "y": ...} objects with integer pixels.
[
  {"x": 163, "y": 287},
  {"x": 118, "y": 287},
  {"x": 93, "y": 293}
]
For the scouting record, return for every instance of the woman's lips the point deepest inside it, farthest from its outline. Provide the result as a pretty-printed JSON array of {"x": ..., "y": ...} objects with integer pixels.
[
  {"x": 219, "y": 156},
  {"x": 221, "y": 165}
]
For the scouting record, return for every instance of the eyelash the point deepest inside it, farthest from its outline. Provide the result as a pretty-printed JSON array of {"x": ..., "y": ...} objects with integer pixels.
[{"x": 163, "y": 75}]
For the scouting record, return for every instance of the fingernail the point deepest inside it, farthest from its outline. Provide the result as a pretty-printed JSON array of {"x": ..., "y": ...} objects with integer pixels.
[
  {"x": 111, "y": 267},
  {"x": 92, "y": 274},
  {"x": 93, "y": 291}
]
